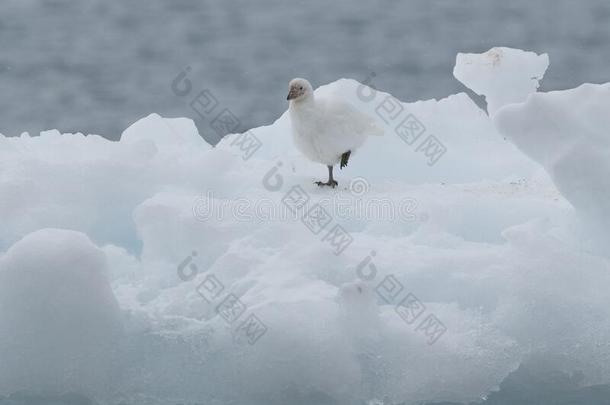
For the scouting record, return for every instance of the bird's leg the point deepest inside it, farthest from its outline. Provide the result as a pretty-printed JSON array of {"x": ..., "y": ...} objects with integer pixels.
[{"x": 331, "y": 182}]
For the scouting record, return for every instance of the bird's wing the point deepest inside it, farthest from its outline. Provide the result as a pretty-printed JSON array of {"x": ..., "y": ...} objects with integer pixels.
[{"x": 345, "y": 118}]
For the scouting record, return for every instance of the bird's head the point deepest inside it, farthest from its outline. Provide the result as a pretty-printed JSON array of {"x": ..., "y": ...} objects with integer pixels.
[{"x": 299, "y": 89}]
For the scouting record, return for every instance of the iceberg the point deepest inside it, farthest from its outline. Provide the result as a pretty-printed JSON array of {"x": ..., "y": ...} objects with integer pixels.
[{"x": 159, "y": 269}]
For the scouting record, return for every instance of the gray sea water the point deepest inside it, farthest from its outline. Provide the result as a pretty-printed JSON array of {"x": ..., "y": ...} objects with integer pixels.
[{"x": 95, "y": 66}]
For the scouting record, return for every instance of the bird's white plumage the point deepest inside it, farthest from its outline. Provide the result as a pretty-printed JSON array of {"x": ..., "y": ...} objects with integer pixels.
[{"x": 325, "y": 128}]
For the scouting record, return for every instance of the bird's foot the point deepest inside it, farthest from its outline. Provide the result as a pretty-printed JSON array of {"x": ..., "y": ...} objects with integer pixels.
[
  {"x": 345, "y": 159},
  {"x": 330, "y": 183}
]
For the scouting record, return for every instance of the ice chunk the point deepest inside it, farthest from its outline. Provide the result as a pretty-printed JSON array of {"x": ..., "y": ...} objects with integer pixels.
[
  {"x": 567, "y": 133},
  {"x": 59, "y": 320},
  {"x": 163, "y": 131},
  {"x": 502, "y": 75}
]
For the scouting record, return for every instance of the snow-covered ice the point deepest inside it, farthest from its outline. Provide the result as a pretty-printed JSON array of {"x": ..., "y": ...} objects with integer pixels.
[{"x": 117, "y": 254}]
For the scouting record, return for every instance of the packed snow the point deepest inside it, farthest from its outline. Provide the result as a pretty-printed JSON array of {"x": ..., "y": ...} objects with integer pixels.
[{"x": 159, "y": 270}]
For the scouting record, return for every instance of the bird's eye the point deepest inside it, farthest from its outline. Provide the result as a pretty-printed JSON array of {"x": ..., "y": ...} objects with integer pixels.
[{"x": 301, "y": 88}]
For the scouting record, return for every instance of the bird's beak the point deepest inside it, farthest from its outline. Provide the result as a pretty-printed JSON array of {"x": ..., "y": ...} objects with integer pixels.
[{"x": 291, "y": 94}]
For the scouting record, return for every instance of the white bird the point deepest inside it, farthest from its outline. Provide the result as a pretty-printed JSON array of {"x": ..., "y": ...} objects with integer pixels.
[{"x": 326, "y": 130}]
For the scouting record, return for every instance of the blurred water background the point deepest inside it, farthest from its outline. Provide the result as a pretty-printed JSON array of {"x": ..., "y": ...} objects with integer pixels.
[{"x": 95, "y": 66}]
